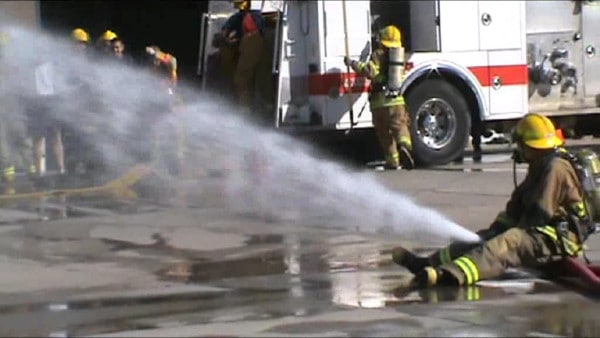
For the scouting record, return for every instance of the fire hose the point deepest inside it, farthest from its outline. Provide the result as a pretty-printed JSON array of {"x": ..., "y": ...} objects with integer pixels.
[
  {"x": 120, "y": 188},
  {"x": 579, "y": 275}
]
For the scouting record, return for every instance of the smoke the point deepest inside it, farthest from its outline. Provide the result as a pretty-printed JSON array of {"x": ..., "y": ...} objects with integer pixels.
[{"x": 121, "y": 114}]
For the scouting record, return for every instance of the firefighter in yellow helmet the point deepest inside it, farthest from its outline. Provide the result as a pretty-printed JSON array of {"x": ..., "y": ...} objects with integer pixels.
[
  {"x": 81, "y": 36},
  {"x": 390, "y": 116},
  {"x": 244, "y": 32},
  {"x": 545, "y": 218},
  {"x": 104, "y": 42}
]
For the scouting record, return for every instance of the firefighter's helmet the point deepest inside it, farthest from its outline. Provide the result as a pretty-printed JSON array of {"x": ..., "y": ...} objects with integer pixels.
[
  {"x": 241, "y": 4},
  {"x": 390, "y": 37},
  {"x": 108, "y": 35},
  {"x": 80, "y": 35},
  {"x": 537, "y": 132}
]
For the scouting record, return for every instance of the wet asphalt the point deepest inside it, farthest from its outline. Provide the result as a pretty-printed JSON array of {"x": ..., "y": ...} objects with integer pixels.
[{"x": 188, "y": 267}]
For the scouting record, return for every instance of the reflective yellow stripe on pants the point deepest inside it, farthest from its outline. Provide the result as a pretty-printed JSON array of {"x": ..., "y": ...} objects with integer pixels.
[
  {"x": 571, "y": 247},
  {"x": 473, "y": 293},
  {"x": 405, "y": 141},
  {"x": 393, "y": 159},
  {"x": 9, "y": 173},
  {"x": 469, "y": 269}
]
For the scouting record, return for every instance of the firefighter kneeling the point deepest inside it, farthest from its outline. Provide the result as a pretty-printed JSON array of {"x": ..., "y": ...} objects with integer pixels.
[
  {"x": 545, "y": 219},
  {"x": 390, "y": 116}
]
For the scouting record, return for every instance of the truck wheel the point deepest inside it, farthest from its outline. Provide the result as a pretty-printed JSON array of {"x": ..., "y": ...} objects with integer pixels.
[{"x": 440, "y": 122}]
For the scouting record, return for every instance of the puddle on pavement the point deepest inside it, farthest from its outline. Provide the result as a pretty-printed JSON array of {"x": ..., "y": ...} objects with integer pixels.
[{"x": 358, "y": 284}]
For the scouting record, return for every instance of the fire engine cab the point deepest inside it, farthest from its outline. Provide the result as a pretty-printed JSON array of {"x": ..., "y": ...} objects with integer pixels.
[{"x": 468, "y": 62}]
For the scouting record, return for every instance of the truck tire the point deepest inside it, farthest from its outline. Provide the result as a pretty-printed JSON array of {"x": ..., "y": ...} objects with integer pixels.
[{"x": 440, "y": 122}]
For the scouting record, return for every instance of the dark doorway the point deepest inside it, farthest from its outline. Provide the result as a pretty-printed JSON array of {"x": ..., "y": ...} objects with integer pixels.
[{"x": 173, "y": 25}]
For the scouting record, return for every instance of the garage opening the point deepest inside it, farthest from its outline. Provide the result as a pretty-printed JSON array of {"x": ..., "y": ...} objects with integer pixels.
[{"x": 172, "y": 25}]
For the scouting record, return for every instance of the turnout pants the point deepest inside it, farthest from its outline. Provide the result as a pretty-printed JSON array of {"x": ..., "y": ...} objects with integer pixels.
[
  {"x": 251, "y": 52},
  {"x": 513, "y": 248},
  {"x": 391, "y": 126}
]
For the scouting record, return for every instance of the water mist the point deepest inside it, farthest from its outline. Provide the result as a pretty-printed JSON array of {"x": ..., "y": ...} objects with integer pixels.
[{"x": 268, "y": 173}]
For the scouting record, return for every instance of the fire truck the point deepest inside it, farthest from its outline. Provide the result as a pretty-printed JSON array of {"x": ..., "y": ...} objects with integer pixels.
[{"x": 468, "y": 62}]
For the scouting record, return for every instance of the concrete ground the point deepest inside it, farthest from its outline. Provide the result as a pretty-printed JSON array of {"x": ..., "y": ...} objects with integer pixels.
[{"x": 97, "y": 267}]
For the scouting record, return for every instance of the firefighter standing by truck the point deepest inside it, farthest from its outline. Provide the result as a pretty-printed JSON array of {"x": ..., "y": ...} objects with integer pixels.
[
  {"x": 390, "y": 116},
  {"x": 546, "y": 217},
  {"x": 245, "y": 55}
]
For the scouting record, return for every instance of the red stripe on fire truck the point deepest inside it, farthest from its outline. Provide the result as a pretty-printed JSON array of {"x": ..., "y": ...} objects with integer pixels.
[
  {"x": 335, "y": 84},
  {"x": 509, "y": 75}
]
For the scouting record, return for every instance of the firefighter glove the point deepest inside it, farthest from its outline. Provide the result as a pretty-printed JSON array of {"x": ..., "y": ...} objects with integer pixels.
[{"x": 347, "y": 61}]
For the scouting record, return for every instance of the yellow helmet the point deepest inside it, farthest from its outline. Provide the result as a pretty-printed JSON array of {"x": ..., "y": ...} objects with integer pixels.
[
  {"x": 390, "y": 37},
  {"x": 78, "y": 34},
  {"x": 537, "y": 132},
  {"x": 241, "y": 4},
  {"x": 108, "y": 35}
]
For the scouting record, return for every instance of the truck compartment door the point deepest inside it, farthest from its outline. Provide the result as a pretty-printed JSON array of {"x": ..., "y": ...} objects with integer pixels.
[
  {"x": 425, "y": 26},
  {"x": 291, "y": 65},
  {"x": 501, "y": 24},
  {"x": 507, "y": 82},
  {"x": 591, "y": 46}
]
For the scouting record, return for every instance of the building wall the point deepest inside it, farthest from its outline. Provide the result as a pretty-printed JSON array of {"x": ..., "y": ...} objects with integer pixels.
[{"x": 23, "y": 12}]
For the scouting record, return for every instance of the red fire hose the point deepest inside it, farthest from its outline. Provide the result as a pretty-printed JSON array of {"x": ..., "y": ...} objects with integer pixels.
[{"x": 580, "y": 275}]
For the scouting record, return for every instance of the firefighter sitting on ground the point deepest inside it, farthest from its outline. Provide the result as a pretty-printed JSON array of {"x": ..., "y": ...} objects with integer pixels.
[
  {"x": 390, "y": 116},
  {"x": 244, "y": 31},
  {"x": 544, "y": 219}
]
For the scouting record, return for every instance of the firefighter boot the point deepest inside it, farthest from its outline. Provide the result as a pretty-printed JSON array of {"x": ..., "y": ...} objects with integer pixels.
[
  {"x": 430, "y": 277},
  {"x": 406, "y": 159},
  {"x": 409, "y": 260},
  {"x": 476, "y": 153}
]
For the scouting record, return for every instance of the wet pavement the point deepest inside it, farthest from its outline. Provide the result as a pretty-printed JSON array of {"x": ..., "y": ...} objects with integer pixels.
[{"x": 97, "y": 266}]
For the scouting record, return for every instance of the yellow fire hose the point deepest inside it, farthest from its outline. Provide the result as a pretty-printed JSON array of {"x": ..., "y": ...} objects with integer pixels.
[{"x": 120, "y": 188}]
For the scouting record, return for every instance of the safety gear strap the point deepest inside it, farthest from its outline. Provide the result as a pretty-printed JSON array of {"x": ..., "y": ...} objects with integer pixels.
[
  {"x": 469, "y": 269},
  {"x": 560, "y": 237},
  {"x": 503, "y": 220}
]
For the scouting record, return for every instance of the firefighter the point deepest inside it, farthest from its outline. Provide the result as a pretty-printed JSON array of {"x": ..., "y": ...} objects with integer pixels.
[
  {"x": 544, "y": 219},
  {"x": 118, "y": 50},
  {"x": 55, "y": 127},
  {"x": 390, "y": 116},
  {"x": 244, "y": 30},
  {"x": 16, "y": 148},
  {"x": 105, "y": 41},
  {"x": 165, "y": 65}
]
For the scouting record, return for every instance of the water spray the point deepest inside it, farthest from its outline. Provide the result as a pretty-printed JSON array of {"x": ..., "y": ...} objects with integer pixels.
[{"x": 264, "y": 172}]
